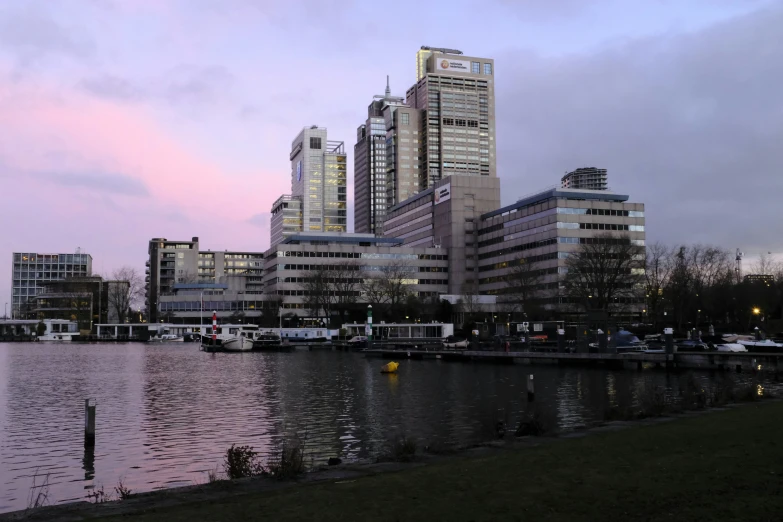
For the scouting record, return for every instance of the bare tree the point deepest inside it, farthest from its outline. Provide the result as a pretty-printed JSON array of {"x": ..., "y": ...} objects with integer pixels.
[
  {"x": 766, "y": 265},
  {"x": 343, "y": 283},
  {"x": 658, "y": 267},
  {"x": 125, "y": 289},
  {"x": 389, "y": 289},
  {"x": 522, "y": 285},
  {"x": 469, "y": 303},
  {"x": 316, "y": 290},
  {"x": 605, "y": 272}
]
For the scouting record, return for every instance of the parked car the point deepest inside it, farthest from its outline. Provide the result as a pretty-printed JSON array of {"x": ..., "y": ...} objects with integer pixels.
[
  {"x": 455, "y": 342},
  {"x": 357, "y": 339}
]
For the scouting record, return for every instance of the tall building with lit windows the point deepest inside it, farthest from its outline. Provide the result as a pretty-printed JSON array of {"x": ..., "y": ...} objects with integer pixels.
[
  {"x": 455, "y": 95},
  {"x": 319, "y": 178},
  {"x": 372, "y": 160},
  {"x": 31, "y": 271}
]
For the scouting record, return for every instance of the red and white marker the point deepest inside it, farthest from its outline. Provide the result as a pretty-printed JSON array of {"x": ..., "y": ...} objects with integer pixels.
[{"x": 214, "y": 327}]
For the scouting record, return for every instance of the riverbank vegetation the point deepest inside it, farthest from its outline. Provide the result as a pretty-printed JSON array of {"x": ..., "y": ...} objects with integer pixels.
[{"x": 721, "y": 466}]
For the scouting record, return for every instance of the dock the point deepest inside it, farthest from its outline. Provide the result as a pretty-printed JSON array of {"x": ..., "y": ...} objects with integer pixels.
[{"x": 723, "y": 361}]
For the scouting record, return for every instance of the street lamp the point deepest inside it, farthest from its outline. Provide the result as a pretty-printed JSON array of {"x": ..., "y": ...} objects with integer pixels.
[{"x": 756, "y": 310}]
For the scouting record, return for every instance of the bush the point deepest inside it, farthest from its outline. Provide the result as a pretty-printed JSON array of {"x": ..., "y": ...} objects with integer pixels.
[
  {"x": 400, "y": 449},
  {"x": 123, "y": 492},
  {"x": 242, "y": 461},
  {"x": 531, "y": 424},
  {"x": 616, "y": 413},
  {"x": 692, "y": 394},
  {"x": 290, "y": 461},
  {"x": 653, "y": 403}
]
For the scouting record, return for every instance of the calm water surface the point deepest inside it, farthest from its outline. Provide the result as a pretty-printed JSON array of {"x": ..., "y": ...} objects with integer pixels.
[{"x": 167, "y": 413}]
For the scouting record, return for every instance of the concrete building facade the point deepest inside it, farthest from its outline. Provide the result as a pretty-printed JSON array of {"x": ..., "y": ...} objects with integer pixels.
[
  {"x": 589, "y": 178},
  {"x": 286, "y": 218},
  {"x": 447, "y": 216},
  {"x": 319, "y": 178},
  {"x": 544, "y": 229},
  {"x": 174, "y": 263},
  {"x": 31, "y": 270},
  {"x": 455, "y": 97},
  {"x": 371, "y": 171},
  {"x": 290, "y": 263}
]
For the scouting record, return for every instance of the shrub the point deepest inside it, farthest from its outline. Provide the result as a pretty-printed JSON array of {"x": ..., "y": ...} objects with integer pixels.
[
  {"x": 531, "y": 424},
  {"x": 289, "y": 462},
  {"x": 615, "y": 413},
  {"x": 242, "y": 461},
  {"x": 692, "y": 394},
  {"x": 652, "y": 403},
  {"x": 98, "y": 496},
  {"x": 123, "y": 492},
  {"x": 39, "y": 492},
  {"x": 400, "y": 449}
]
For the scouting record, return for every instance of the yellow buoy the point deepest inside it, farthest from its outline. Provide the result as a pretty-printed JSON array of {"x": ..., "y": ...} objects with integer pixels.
[{"x": 390, "y": 367}]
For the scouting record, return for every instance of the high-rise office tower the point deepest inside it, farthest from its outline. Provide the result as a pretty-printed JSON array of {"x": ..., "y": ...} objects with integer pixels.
[
  {"x": 371, "y": 171},
  {"x": 32, "y": 270},
  {"x": 455, "y": 95},
  {"x": 589, "y": 178},
  {"x": 286, "y": 218},
  {"x": 319, "y": 177}
]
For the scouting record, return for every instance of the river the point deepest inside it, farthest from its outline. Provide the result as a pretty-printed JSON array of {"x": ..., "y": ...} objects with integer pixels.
[{"x": 167, "y": 413}]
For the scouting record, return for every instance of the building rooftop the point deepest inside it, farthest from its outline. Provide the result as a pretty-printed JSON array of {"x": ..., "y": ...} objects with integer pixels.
[{"x": 595, "y": 195}]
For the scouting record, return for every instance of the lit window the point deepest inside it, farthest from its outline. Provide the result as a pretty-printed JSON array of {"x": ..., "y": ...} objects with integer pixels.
[{"x": 405, "y": 118}]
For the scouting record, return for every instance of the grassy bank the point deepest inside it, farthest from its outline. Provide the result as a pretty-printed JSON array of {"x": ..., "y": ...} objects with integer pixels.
[{"x": 720, "y": 466}]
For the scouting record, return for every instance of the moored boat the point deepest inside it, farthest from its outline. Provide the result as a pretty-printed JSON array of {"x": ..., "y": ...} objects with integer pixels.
[
  {"x": 239, "y": 343},
  {"x": 166, "y": 338},
  {"x": 58, "y": 337}
]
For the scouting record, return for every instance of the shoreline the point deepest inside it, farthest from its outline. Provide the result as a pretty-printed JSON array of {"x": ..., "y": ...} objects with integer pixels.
[{"x": 227, "y": 490}]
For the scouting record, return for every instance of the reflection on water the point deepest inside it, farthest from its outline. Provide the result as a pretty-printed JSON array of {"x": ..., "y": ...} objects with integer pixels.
[{"x": 166, "y": 414}]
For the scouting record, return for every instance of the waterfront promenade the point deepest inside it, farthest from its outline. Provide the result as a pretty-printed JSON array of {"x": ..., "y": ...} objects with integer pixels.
[{"x": 720, "y": 465}]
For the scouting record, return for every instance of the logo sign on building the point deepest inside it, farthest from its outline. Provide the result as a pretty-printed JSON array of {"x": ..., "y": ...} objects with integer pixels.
[
  {"x": 444, "y": 64},
  {"x": 443, "y": 193},
  {"x": 299, "y": 170}
]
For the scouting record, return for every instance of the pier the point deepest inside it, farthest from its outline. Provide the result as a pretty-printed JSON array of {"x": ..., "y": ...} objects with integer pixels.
[{"x": 724, "y": 361}]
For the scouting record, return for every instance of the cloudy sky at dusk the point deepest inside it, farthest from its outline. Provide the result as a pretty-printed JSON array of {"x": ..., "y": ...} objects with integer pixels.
[{"x": 123, "y": 120}]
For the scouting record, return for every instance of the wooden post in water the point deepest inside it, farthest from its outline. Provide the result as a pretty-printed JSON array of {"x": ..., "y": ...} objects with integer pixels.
[
  {"x": 561, "y": 348},
  {"x": 531, "y": 388},
  {"x": 89, "y": 423}
]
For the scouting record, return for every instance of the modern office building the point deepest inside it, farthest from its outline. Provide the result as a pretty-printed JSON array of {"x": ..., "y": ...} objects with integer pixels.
[
  {"x": 86, "y": 300},
  {"x": 319, "y": 178},
  {"x": 460, "y": 214},
  {"x": 193, "y": 303},
  {"x": 544, "y": 229},
  {"x": 371, "y": 171},
  {"x": 32, "y": 270},
  {"x": 455, "y": 97},
  {"x": 589, "y": 178},
  {"x": 174, "y": 263},
  {"x": 447, "y": 216},
  {"x": 286, "y": 218},
  {"x": 289, "y": 264}
]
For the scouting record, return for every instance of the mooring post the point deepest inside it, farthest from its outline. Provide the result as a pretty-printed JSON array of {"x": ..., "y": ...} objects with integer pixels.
[
  {"x": 561, "y": 341},
  {"x": 89, "y": 423},
  {"x": 531, "y": 388},
  {"x": 668, "y": 334}
]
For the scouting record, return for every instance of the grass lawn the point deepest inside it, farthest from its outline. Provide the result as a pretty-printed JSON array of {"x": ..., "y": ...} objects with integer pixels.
[{"x": 719, "y": 466}]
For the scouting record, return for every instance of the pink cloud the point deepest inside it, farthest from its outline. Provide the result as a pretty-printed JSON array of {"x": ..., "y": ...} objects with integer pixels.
[{"x": 71, "y": 132}]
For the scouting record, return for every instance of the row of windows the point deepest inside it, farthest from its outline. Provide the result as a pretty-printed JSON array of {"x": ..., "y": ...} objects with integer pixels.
[
  {"x": 365, "y": 268},
  {"x": 600, "y": 212},
  {"x": 220, "y": 306},
  {"x": 530, "y": 259},
  {"x": 535, "y": 273},
  {"x": 361, "y": 255},
  {"x": 599, "y": 241},
  {"x": 358, "y": 281},
  {"x": 460, "y": 122}
]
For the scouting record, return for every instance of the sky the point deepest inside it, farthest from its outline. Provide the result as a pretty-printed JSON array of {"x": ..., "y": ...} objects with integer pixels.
[{"x": 124, "y": 120}]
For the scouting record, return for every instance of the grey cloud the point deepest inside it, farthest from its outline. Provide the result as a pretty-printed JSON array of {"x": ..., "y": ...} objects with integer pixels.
[
  {"x": 193, "y": 84},
  {"x": 691, "y": 125},
  {"x": 29, "y": 35},
  {"x": 260, "y": 220},
  {"x": 111, "y": 183},
  {"x": 113, "y": 88}
]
